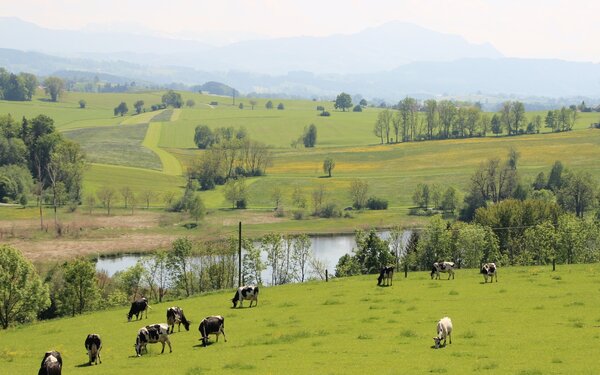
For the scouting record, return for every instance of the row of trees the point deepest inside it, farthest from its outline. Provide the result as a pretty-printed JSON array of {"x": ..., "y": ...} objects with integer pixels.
[
  {"x": 494, "y": 181},
  {"x": 33, "y": 151},
  {"x": 22, "y": 86},
  {"x": 186, "y": 269},
  {"x": 445, "y": 119}
]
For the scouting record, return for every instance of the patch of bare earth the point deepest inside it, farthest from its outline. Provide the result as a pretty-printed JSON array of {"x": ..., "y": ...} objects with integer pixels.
[
  {"x": 84, "y": 235},
  {"x": 252, "y": 217},
  {"x": 62, "y": 249}
]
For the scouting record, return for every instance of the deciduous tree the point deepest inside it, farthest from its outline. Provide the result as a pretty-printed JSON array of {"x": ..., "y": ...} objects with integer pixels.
[{"x": 22, "y": 294}]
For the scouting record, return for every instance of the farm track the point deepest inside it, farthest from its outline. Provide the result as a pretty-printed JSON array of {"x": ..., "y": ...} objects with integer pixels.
[{"x": 171, "y": 166}]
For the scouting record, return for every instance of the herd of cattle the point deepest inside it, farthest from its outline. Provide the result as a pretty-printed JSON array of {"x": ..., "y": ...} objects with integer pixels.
[
  {"x": 154, "y": 333},
  {"x": 215, "y": 325}
]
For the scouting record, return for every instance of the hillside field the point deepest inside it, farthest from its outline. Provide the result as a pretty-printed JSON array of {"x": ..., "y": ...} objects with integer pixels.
[
  {"x": 532, "y": 321},
  {"x": 152, "y": 150}
]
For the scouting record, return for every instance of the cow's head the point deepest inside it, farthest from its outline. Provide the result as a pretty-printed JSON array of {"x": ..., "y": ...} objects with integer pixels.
[
  {"x": 437, "y": 341},
  {"x": 140, "y": 340},
  {"x": 236, "y": 298},
  {"x": 186, "y": 324}
]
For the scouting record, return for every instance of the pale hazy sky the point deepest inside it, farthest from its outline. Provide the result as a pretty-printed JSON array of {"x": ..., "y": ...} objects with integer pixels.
[{"x": 565, "y": 29}]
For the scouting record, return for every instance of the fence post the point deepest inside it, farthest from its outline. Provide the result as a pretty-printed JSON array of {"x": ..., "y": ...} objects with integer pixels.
[
  {"x": 553, "y": 264},
  {"x": 405, "y": 270},
  {"x": 326, "y": 276},
  {"x": 240, "y": 255}
]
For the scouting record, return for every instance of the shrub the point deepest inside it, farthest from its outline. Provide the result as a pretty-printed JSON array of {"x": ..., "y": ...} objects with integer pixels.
[
  {"x": 320, "y": 108},
  {"x": 241, "y": 203},
  {"x": 299, "y": 215},
  {"x": 375, "y": 203},
  {"x": 214, "y": 103},
  {"x": 330, "y": 210},
  {"x": 325, "y": 114},
  {"x": 357, "y": 108}
]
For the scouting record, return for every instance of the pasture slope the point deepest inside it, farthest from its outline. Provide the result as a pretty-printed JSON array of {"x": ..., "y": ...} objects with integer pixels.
[{"x": 533, "y": 321}]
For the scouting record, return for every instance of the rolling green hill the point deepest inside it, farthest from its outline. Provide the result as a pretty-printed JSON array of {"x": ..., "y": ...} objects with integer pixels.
[
  {"x": 532, "y": 321},
  {"x": 163, "y": 141}
]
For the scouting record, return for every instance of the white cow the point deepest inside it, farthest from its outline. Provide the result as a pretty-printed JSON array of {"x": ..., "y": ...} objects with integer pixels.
[
  {"x": 444, "y": 330},
  {"x": 442, "y": 267},
  {"x": 489, "y": 270},
  {"x": 150, "y": 335},
  {"x": 248, "y": 292}
]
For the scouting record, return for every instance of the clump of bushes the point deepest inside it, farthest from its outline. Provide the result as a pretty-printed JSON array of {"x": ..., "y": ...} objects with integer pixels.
[
  {"x": 325, "y": 114},
  {"x": 375, "y": 203}
]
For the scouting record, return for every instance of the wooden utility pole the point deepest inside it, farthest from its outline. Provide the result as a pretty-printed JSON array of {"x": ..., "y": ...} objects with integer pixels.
[{"x": 240, "y": 255}]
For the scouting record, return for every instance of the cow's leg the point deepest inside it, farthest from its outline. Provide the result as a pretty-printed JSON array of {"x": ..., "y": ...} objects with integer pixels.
[
  {"x": 98, "y": 357},
  {"x": 169, "y": 342},
  {"x": 223, "y": 332},
  {"x": 163, "y": 347}
]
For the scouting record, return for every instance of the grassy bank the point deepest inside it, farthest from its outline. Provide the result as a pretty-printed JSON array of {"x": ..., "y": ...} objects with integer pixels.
[{"x": 533, "y": 321}]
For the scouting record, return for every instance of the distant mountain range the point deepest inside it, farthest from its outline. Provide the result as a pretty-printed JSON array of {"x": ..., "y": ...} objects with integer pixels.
[
  {"x": 374, "y": 49},
  {"x": 388, "y": 62}
]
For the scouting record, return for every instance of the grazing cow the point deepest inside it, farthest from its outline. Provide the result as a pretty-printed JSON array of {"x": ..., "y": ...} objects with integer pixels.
[
  {"x": 249, "y": 292},
  {"x": 212, "y": 325},
  {"x": 386, "y": 274},
  {"x": 489, "y": 270},
  {"x": 138, "y": 307},
  {"x": 442, "y": 267},
  {"x": 151, "y": 335},
  {"x": 444, "y": 330},
  {"x": 93, "y": 344},
  {"x": 51, "y": 364},
  {"x": 175, "y": 315}
]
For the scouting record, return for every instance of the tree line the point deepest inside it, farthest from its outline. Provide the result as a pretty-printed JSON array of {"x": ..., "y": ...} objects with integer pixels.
[
  {"x": 36, "y": 159},
  {"x": 411, "y": 120},
  {"x": 22, "y": 86},
  {"x": 187, "y": 268}
]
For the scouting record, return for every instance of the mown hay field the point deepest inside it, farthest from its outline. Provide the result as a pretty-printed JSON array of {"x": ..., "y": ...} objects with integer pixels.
[{"x": 532, "y": 321}]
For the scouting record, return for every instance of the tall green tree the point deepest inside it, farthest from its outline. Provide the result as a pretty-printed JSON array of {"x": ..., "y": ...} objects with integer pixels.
[
  {"x": 179, "y": 262},
  {"x": 22, "y": 294},
  {"x": 359, "y": 190},
  {"x": 372, "y": 253},
  {"x": 54, "y": 86},
  {"x": 173, "y": 99},
  {"x": 139, "y": 106},
  {"x": 328, "y": 165},
  {"x": 343, "y": 101},
  {"x": 578, "y": 192},
  {"x": 80, "y": 289},
  {"x": 310, "y": 136},
  {"x": 121, "y": 109}
]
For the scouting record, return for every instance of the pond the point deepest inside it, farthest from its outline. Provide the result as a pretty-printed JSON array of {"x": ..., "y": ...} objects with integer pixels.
[{"x": 329, "y": 249}]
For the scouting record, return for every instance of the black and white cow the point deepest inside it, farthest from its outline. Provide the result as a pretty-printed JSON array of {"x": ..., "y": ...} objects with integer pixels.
[
  {"x": 444, "y": 330},
  {"x": 489, "y": 270},
  {"x": 93, "y": 344},
  {"x": 249, "y": 292},
  {"x": 386, "y": 274},
  {"x": 151, "y": 335},
  {"x": 175, "y": 316},
  {"x": 212, "y": 325},
  {"x": 442, "y": 267},
  {"x": 51, "y": 364},
  {"x": 138, "y": 307}
]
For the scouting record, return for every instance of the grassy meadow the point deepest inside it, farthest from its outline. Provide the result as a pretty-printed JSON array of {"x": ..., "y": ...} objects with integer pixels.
[
  {"x": 532, "y": 321},
  {"x": 152, "y": 150}
]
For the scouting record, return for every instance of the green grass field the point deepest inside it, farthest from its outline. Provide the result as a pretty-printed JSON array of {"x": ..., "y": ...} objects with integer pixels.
[
  {"x": 532, "y": 321},
  {"x": 163, "y": 141}
]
